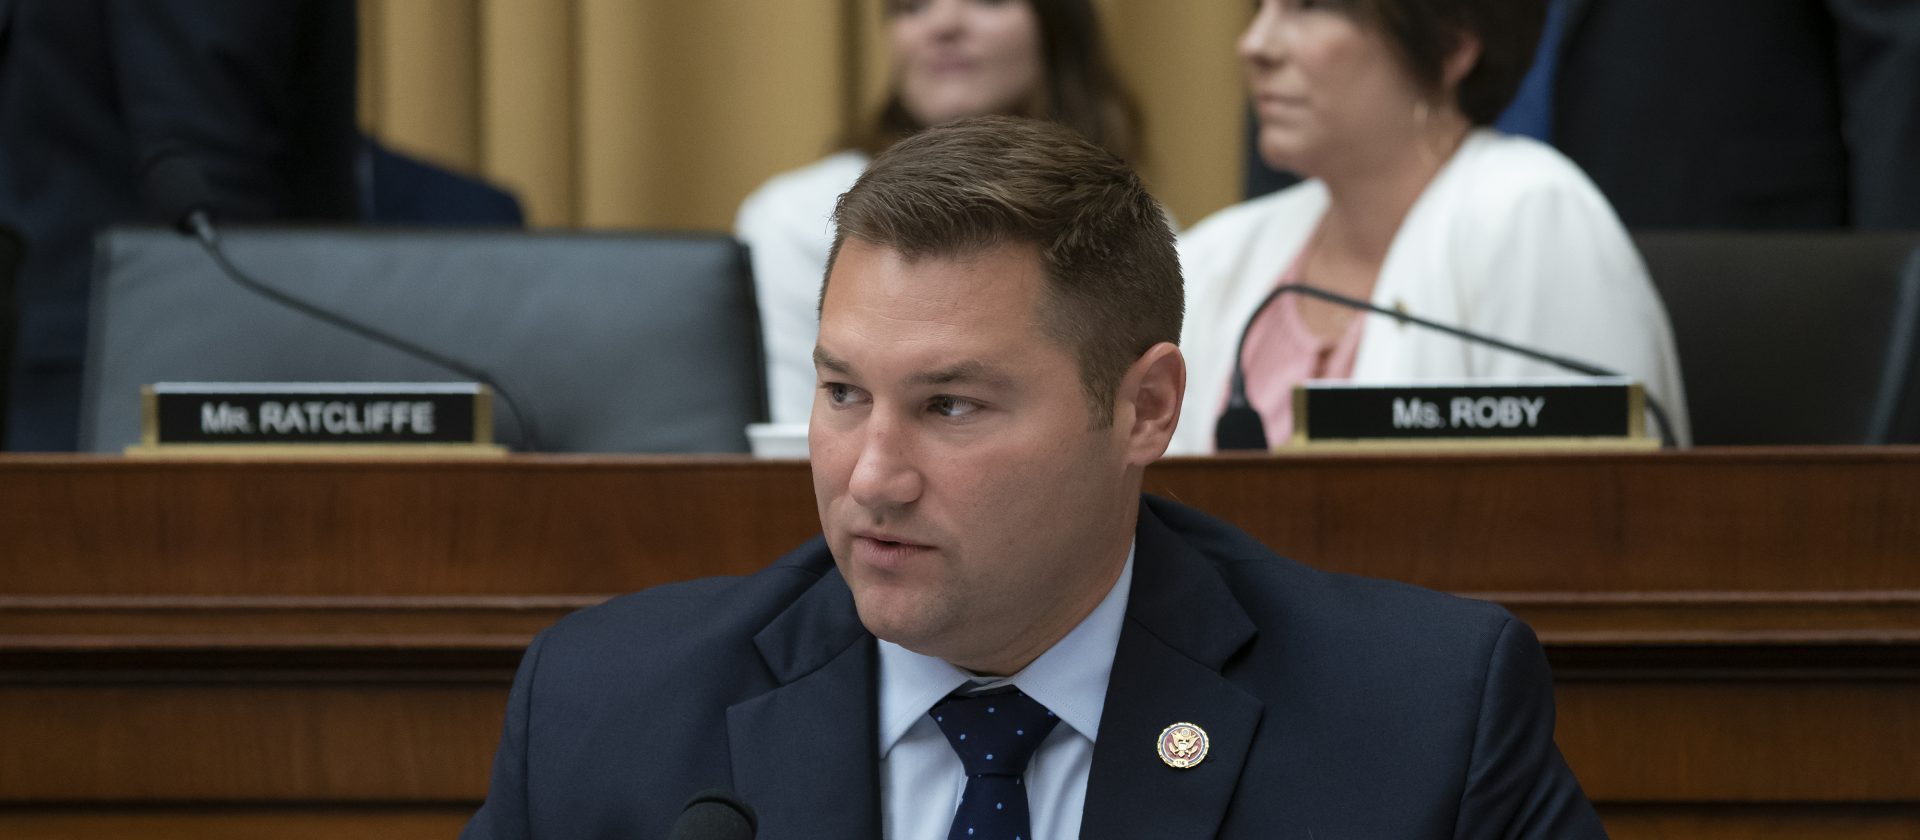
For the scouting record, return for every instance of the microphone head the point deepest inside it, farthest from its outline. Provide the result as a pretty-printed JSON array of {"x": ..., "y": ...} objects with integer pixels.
[
  {"x": 715, "y": 814},
  {"x": 1239, "y": 427},
  {"x": 175, "y": 188}
]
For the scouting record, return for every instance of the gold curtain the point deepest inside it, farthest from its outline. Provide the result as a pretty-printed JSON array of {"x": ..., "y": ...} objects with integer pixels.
[{"x": 658, "y": 114}]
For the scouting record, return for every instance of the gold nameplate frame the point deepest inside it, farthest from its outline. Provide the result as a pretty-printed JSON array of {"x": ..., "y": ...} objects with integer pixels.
[
  {"x": 1607, "y": 413},
  {"x": 348, "y": 419}
]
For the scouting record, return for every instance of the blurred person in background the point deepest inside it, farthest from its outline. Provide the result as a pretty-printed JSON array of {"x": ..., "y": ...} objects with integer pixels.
[
  {"x": 1760, "y": 114},
  {"x": 94, "y": 92},
  {"x": 1791, "y": 114},
  {"x": 1415, "y": 204},
  {"x": 950, "y": 59}
]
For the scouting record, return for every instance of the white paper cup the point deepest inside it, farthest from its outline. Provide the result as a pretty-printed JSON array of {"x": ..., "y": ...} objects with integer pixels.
[{"x": 778, "y": 440}]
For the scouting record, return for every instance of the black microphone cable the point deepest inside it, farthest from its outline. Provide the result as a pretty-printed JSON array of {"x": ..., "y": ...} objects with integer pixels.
[
  {"x": 1240, "y": 423},
  {"x": 176, "y": 186}
]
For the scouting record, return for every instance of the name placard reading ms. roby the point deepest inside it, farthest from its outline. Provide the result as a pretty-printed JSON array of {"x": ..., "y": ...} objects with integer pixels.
[
  {"x": 336, "y": 414},
  {"x": 1605, "y": 411}
]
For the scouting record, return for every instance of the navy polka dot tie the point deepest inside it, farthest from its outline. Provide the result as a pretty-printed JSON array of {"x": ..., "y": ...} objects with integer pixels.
[{"x": 995, "y": 734}]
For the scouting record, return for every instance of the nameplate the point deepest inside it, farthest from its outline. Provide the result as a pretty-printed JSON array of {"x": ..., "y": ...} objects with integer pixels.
[
  {"x": 370, "y": 416},
  {"x": 1608, "y": 410}
]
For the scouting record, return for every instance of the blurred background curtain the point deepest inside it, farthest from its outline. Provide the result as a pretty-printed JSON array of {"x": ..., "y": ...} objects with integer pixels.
[{"x": 659, "y": 114}]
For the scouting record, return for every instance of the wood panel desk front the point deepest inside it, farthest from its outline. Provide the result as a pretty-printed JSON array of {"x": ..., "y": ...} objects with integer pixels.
[{"x": 236, "y": 648}]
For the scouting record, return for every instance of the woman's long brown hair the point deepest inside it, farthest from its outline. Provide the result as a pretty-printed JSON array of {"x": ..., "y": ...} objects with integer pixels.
[{"x": 1082, "y": 90}]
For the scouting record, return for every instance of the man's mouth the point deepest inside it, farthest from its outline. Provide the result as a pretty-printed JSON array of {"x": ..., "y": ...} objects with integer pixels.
[{"x": 887, "y": 552}]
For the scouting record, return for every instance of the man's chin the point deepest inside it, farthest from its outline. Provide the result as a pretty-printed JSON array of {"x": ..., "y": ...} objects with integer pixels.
[{"x": 899, "y": 623}]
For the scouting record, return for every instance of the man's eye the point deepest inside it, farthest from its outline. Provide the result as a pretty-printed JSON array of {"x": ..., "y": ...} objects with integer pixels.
[
  {"x": 840, "y": 393},
  {"x": 946, "y": 406}
]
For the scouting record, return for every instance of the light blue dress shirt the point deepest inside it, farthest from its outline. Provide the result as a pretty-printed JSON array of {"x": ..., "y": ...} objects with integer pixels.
[{"x": 921, "y": 777}]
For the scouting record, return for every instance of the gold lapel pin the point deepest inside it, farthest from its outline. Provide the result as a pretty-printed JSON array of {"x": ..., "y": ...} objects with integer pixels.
[{"x": 1183, "y": 745}]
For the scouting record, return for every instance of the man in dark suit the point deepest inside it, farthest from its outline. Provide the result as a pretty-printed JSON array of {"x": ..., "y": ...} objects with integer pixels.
[
  {"x": 1763, "y": 113},
  {"x": 997, "y": 635},
  {"x": 92, "y": 92}
]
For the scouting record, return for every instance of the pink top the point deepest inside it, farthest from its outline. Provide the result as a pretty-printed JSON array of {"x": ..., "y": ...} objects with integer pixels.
[{"x": 1282, "y": 351}]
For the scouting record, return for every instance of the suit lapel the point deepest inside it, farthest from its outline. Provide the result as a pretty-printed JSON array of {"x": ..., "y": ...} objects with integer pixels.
[
  {"x": 1182, "y": 626},
  {"x": 805, "y": 754}
]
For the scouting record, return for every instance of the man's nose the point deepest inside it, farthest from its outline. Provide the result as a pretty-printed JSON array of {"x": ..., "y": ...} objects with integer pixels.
[{"x": 885, "y": 476}]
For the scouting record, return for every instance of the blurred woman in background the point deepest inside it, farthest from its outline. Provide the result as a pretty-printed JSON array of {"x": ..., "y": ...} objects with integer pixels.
[
  {"x": 950, "y": 59},
  {"x": 1414, "y": 204}
]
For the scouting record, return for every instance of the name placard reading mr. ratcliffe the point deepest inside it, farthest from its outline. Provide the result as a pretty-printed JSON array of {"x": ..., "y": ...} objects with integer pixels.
[
  {"x": 1604, "y": 407},
  {"x": 378, "y": 413}
]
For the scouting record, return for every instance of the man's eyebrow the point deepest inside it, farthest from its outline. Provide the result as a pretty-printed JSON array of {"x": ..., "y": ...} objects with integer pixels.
[
  {"x": 824, "y": 359},
  {"x": 967, "y": 372}
]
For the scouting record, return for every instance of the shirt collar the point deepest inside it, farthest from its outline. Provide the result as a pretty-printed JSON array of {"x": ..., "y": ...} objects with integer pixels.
[{"x": 1070, "y": 678}]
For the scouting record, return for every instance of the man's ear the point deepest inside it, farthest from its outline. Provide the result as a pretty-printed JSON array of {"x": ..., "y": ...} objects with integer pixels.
[{"x": 1148, "y": 402}]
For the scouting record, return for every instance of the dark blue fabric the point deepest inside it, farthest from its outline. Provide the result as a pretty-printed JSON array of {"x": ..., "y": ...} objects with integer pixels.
[
  {"x": 1531, "y": 111},
  {"x": 398, "y": 189},
  {"x": 995, "y": 734},
  {"x": 1761, "y": 114}
]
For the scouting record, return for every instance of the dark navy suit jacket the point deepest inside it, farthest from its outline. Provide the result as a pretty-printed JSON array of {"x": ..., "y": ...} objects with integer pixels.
[
  {"x": 1338, "y": 707},
  {"x": 1762, "y": 113}
]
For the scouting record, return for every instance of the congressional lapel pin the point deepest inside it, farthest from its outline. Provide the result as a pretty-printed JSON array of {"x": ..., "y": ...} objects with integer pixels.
[{"x": 1183, "y": 745}]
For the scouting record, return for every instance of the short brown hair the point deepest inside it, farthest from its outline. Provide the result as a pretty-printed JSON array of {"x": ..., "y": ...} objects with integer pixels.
[
  {"x": 1113, "y": 276},
  {"x": 1081, "y": 90},
  {"x": 1423, "y": 32}
]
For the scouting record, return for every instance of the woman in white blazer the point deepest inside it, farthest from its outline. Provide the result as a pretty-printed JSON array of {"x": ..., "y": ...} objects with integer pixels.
[
  {"x": 950, "y": 59},
  {"x": 1414, "y": 204}
]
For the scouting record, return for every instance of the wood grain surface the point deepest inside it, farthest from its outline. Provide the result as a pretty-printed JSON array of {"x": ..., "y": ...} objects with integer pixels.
[{"x": 257, "y": 648}]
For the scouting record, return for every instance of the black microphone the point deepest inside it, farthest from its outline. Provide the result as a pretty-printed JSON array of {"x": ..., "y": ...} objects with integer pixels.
[
  {"x": 1239, "y": 426},
  {"x": 715, "y": 814},
  {"x": 174, "y": 187}
]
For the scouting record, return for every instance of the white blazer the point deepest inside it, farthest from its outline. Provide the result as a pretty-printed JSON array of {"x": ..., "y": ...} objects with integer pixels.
[
  {"x": 1510, "y": 239},
  {"x": 788, "y": 226}
]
